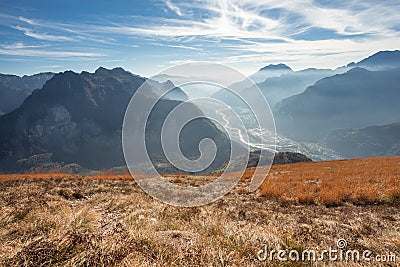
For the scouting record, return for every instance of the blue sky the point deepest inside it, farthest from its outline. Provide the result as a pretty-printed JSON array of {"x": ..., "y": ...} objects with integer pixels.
[{"x": 148, "y": 36}]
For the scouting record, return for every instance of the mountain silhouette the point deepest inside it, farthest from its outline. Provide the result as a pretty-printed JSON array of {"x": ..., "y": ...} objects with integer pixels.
[
  {"x": 77, "y": 118},
  {"x": 276, "y": 89},
  {"x": 272, "y": 70},
  {"x": 381, "y": 60},
  {"x": 277, "y": 83}
]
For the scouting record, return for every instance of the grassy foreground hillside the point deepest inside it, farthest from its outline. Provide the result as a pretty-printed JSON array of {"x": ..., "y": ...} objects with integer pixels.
[{"x": 107, "y": 220}]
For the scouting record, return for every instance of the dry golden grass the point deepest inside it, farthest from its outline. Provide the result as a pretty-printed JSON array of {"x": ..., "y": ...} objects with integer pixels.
[
  {"x": 31, "y": 176},
  {"x": 56, "y": 175},
  {"x": 358, "y": 181},
  {"x": 107, "y": 220}
]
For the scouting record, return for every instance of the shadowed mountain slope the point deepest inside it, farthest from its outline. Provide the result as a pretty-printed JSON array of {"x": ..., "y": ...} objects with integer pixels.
[{"x": 78, "y": 119}]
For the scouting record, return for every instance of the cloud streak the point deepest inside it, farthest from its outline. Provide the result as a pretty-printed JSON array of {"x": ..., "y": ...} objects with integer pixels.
[
  {"x": 173, "y": 7},
  {"x": 19, "y": 49},
  {"x": 43, "y": 36},
  {"x": 52, "y": 54}
]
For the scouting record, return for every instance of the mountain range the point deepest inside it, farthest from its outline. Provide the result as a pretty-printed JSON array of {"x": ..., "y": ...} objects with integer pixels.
[
  {"x": 77, "y": 118},
  {"x": 15, "y": 89},
  {"x": 272, "y": 70},
  {"x": 279, "y": 81},
  {"x": 379, "y": 60},
  {"x": 275, "y": 89},
  {"x": 309, "y": 104},
  {"x": 357, "y": 98}
]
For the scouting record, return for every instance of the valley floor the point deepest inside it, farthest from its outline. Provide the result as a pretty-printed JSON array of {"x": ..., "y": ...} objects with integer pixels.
[{"x": 107, "y": 220}]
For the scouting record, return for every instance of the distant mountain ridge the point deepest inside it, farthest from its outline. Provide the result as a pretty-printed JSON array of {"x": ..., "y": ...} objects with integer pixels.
[
  {"x": 379, "y": 60},
  {"x": 272, "y": 70},
  {"x": 276, "y": 67},
  {"x": 357, "y": 98},
  {"x": 15, "y": 89},
  {"x": 279, "y": 81},
  {"x": 278, "y": 88}
]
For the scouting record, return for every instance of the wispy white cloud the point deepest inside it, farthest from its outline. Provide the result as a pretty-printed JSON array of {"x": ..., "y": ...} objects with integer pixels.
[
  {"x": 43, "y": 36},
  {"x": 112, "y": 60},
  {"x": 76, "y": 32},
  {"x": 173, "y": 7},
  {"x": 185, "y": 47},
  {"x": 19, "y": 49},
  {"x": 20, "y": 45},
  {"x": 50, "y": 67},
  {"x": 53, "y": 54},
  {"x": 303, "y": 54},
  {"x": 29, "y": 21}
]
